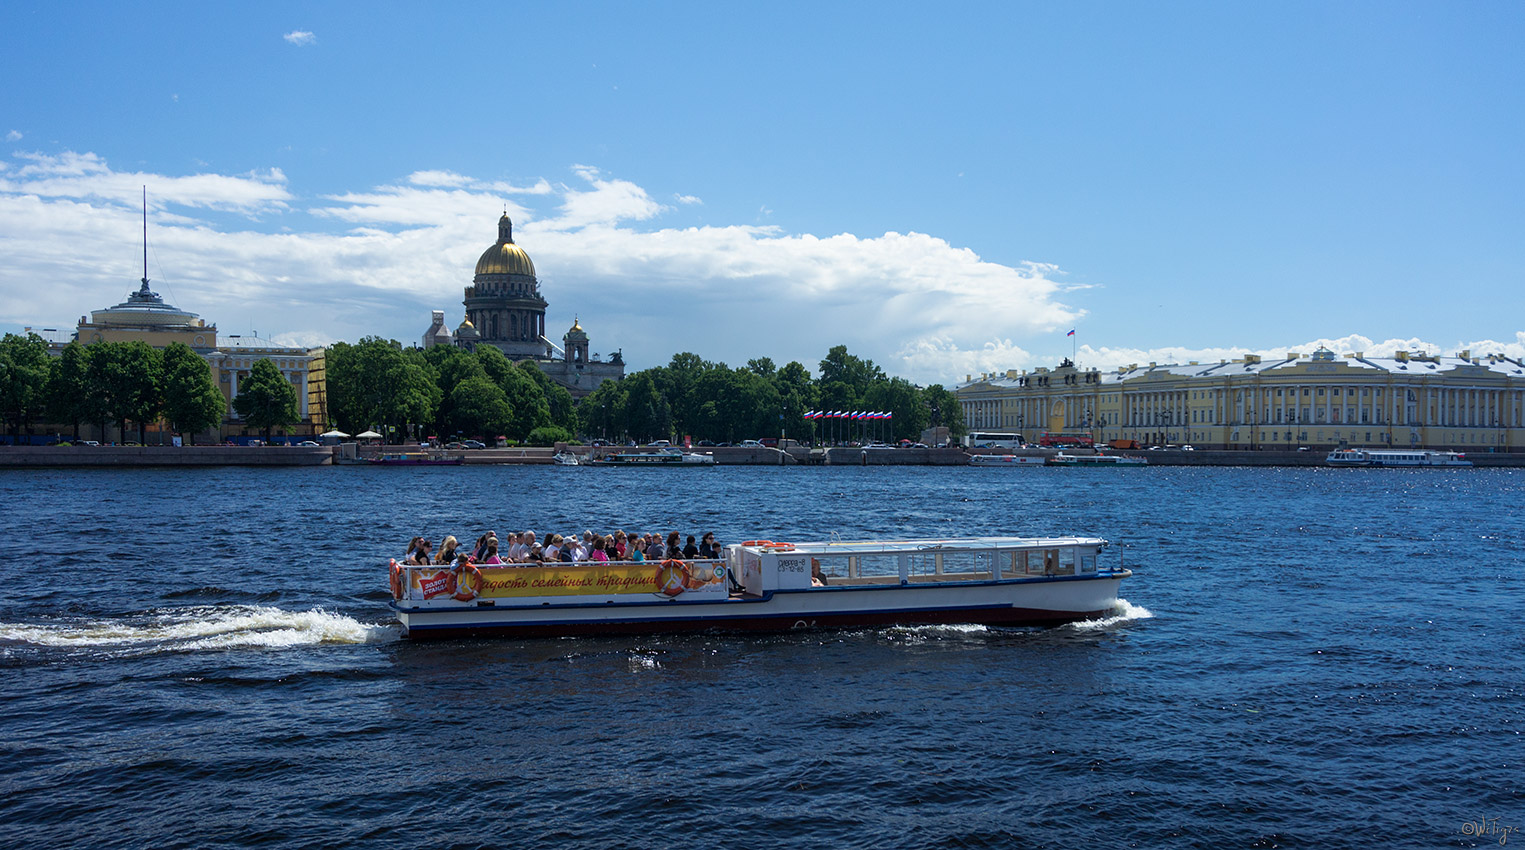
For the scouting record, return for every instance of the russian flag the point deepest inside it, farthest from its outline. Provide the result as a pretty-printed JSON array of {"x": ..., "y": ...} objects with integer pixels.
[{"x": 1071, "y": 333}]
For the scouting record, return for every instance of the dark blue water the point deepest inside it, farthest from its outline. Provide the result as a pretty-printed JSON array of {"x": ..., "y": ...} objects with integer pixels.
[{"x": 1306, "y": 658}]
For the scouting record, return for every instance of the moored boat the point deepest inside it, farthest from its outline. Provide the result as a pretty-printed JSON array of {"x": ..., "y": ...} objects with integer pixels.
[
  {"x": 1396, "y": 458},
  {"x": 1063, "y": 459},
  {"x": 564, "y": 458},
  {"x": 416, "y": 459},
  {"x": 1006, "y": 460},
  {"x": 661, "y": 457},
  {"x": 765, "y": 586}
]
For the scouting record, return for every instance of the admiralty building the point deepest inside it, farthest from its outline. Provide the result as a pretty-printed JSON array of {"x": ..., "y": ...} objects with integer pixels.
[{"x": 1463, "y": 403}]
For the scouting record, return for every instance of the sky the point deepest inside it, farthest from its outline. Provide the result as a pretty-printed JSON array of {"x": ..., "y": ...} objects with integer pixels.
[{"x": 946, "y": 190}]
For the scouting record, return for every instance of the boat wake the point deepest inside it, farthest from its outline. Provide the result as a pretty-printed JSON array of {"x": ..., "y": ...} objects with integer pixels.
[
  {"x": 199, "y": 628},
  {"x": 1123, "y": 611}
]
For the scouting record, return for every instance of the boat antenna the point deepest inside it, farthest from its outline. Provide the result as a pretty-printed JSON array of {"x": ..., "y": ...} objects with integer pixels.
[{"x": 145, "y": 238}]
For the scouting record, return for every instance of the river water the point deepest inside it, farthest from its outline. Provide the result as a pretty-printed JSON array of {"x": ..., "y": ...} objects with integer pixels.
[{"x": 1305, "y": 658}]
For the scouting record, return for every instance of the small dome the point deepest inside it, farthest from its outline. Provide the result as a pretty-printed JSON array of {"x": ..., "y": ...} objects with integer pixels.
[
  {"x": 577, "y": 330},
  {"x": 505, "y": 257},
  {"x": 467, "y": 330}
]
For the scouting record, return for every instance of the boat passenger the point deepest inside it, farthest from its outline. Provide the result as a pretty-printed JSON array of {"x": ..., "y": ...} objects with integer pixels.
[
  {"x": 412, "y": 545},
  {"x": 447, "y": 551},
  {"x": 621, "y": 545},
  {"x": 579, "y": 551},
  {"x": 536, "y": 555},
  {"x": 707, "y": 546},
  {"x": 598, "y": 553},
  {"x": 421, "y": 554},
  {"x": 568, "y": 548},
  {"x": 552, "y": 548},
  {"x": 690, "y": 550},
  {"x": 528, "y": 539},
  {"x": 654, "y": 550},
  {"x": 817, "y": 578},
  {"x": 492, "y": 553},
  {"x": 674, "y": 550},
  {"x": 634, "y": 553}
]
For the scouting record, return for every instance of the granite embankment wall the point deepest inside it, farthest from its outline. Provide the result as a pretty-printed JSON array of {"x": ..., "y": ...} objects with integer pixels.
[{"x": 125, "y": 456}]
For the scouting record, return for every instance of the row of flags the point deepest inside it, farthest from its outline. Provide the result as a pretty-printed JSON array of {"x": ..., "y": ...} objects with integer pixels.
[{"x": 857, "y": 415}]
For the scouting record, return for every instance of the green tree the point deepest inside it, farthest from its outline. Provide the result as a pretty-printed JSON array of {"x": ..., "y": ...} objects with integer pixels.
[
  {"x": 71, "y": 396},
  {"x": 480, "y": 407},
  {"x": 643, "y": 413},
  {"x": 374, "y": 383},
  {"x": 128, "y": 376},
  {"x": 563, "y": 410},
  {"x": 266, "y": 400},
  {"x": 527, "y": 402},
  {"x": 192, "y": 401},
  {"x": 23, "y": 380},
  {"x": 798, "y": 395},
  {"x": 945, "y": 410}
]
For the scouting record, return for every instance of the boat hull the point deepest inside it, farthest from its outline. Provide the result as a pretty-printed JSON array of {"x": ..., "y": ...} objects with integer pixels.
[{"x": 1028, "y": 602}]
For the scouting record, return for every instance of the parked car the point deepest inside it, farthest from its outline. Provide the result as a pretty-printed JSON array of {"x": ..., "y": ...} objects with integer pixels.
[
  {"x": 456, "y": 446},
  {"x": 706, "y": 443},
  {"x": 308, "y": 443},
  {"x": 473, "y": 444},
  {"x": 751, "y": 444},
  {"x": 662, "y": 444}
]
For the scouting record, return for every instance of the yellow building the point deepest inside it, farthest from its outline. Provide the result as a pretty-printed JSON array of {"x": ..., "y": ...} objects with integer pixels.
[
  {"x": 1461, "y": 403},
  {"x": 145, "y": 316}
]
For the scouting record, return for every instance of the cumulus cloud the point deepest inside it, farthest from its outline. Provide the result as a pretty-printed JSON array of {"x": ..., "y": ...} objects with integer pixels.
[
  {"x": 13, "y": 136},
  {"x": 300, "y": 38},
  {"x": 247, "y": 250}
]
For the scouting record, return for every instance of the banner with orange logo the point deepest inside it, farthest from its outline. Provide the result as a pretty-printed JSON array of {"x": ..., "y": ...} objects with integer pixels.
[{"x": 671, "y": 578}]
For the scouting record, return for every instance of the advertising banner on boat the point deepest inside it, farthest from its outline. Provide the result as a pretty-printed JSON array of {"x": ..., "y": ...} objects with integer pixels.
[{"x": 674, "y": 578}]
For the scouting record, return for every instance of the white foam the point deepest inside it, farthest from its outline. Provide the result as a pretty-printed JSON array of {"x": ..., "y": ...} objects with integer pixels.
[
  {"x": 1123, "y": 611},
  {"x": 202, "y": 627}
]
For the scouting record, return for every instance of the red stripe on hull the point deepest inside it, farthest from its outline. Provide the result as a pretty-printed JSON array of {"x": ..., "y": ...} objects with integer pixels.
[{"x": 1004, "y": 616}]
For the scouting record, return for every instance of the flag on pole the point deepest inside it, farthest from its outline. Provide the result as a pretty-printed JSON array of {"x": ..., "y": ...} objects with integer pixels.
[{"x": 1071, "y": 333}]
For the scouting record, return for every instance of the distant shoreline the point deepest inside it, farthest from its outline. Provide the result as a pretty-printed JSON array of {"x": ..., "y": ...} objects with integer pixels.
[{"x": 106, "y": 457}]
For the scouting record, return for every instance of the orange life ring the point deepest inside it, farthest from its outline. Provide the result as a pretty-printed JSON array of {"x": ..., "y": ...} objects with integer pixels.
[
  {"x": 396, "y": 580},
  {"x": 468, "y": 583},
  {"x": 780, "y": 547},
  {"x": 758, "y": 543},
  {"x": 672, "y": 577}
]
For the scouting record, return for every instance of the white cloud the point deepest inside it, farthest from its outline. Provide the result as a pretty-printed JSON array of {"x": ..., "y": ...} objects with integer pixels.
[
  {"x": 300, "y": 38},
  {"x": 246, "y": 250},
  {"x": 687, "y": 199},
  {"x": 1112, "y": 358},
  {"x": 13, "y": 136}
]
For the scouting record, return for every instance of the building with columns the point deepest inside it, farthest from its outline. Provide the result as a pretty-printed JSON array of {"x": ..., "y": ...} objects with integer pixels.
[
  {"x": 505, "y": 309},
  {"x": 1410, "y": 400},
  {"x": 147, "y": 317}
]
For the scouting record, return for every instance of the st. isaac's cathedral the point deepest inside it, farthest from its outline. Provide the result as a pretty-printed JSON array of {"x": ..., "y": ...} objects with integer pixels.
[{"x": 504, "y": 309}]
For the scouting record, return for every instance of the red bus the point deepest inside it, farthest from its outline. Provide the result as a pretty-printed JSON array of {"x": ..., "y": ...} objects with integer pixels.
[{"x": 1065, "y": 441}]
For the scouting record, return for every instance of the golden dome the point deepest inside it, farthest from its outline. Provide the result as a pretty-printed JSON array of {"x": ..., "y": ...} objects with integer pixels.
[
  {"x": 505, "y": 257},
  {"x": 466, "y": 323}
]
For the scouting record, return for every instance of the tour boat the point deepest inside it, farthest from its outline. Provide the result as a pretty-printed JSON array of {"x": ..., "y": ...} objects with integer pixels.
[
  {"x": 1395, "y": 457},
  {"x": 416, "y": 459},
  {"x": 760, "y": 585},
  {"x": 662, "y": 457},
  {"x": 1005, "y": 460},
  {"x": 1063, "y": 459}
]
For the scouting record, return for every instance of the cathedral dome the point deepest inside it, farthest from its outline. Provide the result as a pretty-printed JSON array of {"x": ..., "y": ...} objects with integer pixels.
[{"x": 505, "y": 257}]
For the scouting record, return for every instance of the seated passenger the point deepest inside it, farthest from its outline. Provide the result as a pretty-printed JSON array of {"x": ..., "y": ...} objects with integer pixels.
[
  {"x": 817, "y": 578},
  {"x": 597, "y": 553},
  {"x": 654, "y": 549},
  {"x": 634, "y": 553},
  {"x": 412, "y": 545},
  {"x": 707, "y": 548},
  {"x": 674, "y": 551},
  {"x": 536, "y": 556},
  {"x": 492, "y": 553},
  {"x": 447, "y": 551},
  {"x": 690, "y": 550},
  {"x": 421, "y": 554}
]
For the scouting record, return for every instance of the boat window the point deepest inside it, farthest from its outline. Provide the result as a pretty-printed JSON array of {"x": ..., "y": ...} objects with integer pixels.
[{"x": 1088, "y": 560}]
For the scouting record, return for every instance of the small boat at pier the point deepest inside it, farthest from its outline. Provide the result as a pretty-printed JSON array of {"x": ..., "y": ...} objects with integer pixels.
[
  {"x": 1006, "y": 460},
  {"x": 765, "y": 586},
  {"x": 566, "y": 459},
  {"x": 415, "y": 459},
  {"x": 1396, "y": 458},
  {"x": 662, "y": 457},
  {"x": 1063, "y": 459}
]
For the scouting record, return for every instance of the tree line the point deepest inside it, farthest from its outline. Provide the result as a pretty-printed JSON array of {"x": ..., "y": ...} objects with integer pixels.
[
  {"x": 444, "y": 391},
  {"x": 124, "y": 382},
  {"x": 693, "y": 397}
]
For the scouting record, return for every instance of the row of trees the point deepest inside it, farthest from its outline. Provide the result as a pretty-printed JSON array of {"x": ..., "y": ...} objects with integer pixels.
[
  {"x": 443, "y": 390},
  {"x": 134, "y": 382},
  {"x": 712, "y": 401}
]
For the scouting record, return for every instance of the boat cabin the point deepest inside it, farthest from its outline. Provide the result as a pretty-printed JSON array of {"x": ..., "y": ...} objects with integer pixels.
[{"x": 782, "y": 566}]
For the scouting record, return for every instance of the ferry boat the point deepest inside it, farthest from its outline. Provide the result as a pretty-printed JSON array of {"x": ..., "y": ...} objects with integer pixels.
[
  {"x": 1395, "y": 457},
  {"x": 1063, "y": 459},
  {"x": 765, "y": 586},
  {"x": 1006, "y": 460},
  {"x": 661, "y": 457},
  {"x": 416, "y": 459}
]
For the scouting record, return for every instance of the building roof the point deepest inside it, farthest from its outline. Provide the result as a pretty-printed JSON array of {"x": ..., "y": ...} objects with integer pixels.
[{"x": 504, "y": 257}]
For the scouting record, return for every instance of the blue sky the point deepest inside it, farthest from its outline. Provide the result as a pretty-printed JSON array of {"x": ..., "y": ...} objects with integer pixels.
[{"x": 944, "y": 190}]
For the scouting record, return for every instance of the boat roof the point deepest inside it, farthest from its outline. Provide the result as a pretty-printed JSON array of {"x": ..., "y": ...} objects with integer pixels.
[{"x": 853, "y": 547}]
